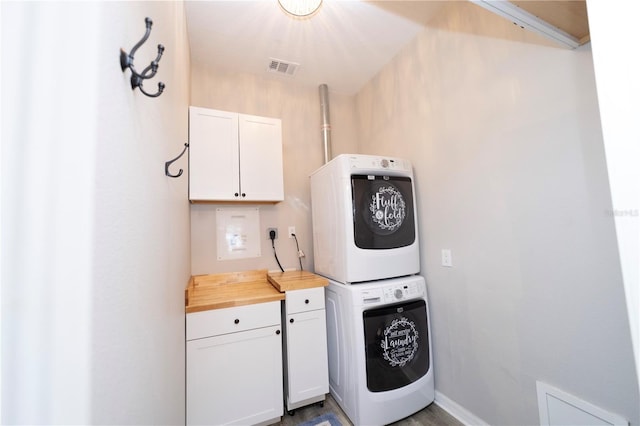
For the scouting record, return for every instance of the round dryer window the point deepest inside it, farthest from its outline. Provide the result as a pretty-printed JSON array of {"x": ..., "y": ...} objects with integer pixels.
[{"x": 383, "y": 211}]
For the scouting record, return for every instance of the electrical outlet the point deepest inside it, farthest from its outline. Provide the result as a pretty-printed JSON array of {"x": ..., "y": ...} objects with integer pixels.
[
  {"x": 446, "y": 258},
  {"x": 269, "y": 233},
  {"x": 292, "y": 231}
]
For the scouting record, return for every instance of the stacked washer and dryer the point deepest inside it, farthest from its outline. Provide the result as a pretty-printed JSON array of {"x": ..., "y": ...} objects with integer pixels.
[{"x": 365, "y": 241}]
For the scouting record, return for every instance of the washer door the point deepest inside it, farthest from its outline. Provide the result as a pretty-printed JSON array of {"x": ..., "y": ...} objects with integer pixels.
[{"x": 396, "y": 345}]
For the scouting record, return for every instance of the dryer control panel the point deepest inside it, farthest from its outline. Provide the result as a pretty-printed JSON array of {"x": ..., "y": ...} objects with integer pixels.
[{"x": 371, "y": 162}]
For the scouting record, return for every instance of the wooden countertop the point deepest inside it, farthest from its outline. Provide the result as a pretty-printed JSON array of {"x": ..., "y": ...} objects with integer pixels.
[
  {"x": 227, "y": 290},
  {"x": 296, "y": 280}
]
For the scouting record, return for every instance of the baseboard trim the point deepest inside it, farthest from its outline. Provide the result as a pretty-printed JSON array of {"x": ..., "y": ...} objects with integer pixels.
[{"x": 459, "y": 412}]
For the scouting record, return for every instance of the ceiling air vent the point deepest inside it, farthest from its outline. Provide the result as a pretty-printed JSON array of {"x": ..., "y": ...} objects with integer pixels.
[{"x": 279, "y": 66}]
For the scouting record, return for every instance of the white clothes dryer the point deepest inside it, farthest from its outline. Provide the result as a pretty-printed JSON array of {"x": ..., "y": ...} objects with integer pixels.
[
  {"x": 364, "y": 221},
  {"x": 379, "y": 345}
]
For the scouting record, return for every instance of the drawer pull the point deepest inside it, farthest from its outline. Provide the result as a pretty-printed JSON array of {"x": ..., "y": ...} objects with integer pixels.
[
  {"x": 237, "y": 321},
  {"x": 306, "y": 301},
  {"x": 291, "y": 320}
]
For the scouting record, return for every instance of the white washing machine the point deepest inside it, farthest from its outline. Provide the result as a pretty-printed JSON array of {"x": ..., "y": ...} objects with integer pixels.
[
  {"x": 364, "y": 222},
  {"x": 379, "y": 345}
]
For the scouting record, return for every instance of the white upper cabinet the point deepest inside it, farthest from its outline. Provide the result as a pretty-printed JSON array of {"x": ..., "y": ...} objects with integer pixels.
[{"x": 234, "y": 157}]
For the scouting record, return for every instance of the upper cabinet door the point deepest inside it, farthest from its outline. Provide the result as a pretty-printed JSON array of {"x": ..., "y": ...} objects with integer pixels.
[
  {"x": 261, "y": 158},
  {"x": 214, "y": 169}
]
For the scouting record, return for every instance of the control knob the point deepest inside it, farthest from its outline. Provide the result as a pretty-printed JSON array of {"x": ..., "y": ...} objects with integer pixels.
[{"x": 398, "y": 293}]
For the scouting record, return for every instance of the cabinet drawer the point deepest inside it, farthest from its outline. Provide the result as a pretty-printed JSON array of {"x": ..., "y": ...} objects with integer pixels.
[
  {"x": 230, "y": 320},
  {"x": 304, "y": 300}
]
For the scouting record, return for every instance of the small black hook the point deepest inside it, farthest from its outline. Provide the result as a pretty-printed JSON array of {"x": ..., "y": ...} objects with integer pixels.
[
  {"x": 126, "y": 61},
  {"x": 168, "y": 163}
]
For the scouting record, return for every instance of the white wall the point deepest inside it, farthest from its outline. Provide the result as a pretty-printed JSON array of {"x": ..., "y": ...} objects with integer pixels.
[
  {"x": 299, "y": 108},
  {"x": 95, "y": 238},
  {"x": 611, "y": 26},
  {"x": 142, "y": 225},
  {"x": 504, "y": 134}
]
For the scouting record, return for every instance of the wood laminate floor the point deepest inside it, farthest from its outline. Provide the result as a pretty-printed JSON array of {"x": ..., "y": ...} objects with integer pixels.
[{"x": 432, "y": 415}]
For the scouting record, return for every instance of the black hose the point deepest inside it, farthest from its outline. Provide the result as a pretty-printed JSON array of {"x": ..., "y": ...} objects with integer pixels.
[{"x": 275, "y": 254}]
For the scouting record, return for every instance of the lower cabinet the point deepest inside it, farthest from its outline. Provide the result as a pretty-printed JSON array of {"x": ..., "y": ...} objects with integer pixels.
[
  {"x": 234, "y": 365},
  {"x": 306, "y": 364}
]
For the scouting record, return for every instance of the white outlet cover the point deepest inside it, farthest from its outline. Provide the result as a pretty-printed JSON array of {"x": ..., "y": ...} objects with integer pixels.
[{"x": 446, "y": 258}]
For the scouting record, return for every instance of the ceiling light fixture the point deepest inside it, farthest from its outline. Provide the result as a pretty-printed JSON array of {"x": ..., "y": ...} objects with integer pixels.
[{"x": 300, "y": 8}]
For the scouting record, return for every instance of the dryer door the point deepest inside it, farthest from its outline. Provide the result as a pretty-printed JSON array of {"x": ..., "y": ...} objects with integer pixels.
[
  {"x": 383, "y": 213},
  {"x": 396, "y": 345}
]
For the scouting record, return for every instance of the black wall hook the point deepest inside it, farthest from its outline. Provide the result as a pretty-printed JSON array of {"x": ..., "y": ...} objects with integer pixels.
[
  {"x": 126, "y": 61},
  {"x": 168, "y": 163}
]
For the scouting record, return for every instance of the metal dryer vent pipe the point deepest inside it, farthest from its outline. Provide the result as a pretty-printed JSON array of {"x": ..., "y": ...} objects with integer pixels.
[{"x": 326, "y": 122}]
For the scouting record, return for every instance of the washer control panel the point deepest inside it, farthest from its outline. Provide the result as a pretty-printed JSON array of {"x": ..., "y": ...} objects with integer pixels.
[
  {"x": 391, "y": 293},
  {"x": 400, "y": 292}
]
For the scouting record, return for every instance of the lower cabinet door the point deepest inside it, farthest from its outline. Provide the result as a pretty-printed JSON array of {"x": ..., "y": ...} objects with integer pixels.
[
  {"x": 235, "y": 379},
  {"x": 307, "y": 372}
]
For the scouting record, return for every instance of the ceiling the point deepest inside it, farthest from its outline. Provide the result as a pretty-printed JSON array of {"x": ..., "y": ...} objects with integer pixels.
[{"x": 344, "y": 45}]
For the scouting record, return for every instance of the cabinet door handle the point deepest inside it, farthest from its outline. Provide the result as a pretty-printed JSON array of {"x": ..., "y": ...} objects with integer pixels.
[
  {"x": 277, "y": 331},
  {"x": 236, "y": 321},
  {"x": 306, "y": 301},
  {"x": 291, "y": 320},
  {"x": 244, "y": 195},
  {"x": 236, "y": 194}
]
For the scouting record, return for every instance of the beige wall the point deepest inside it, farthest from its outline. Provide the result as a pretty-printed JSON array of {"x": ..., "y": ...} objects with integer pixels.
[
  {"x": 504, "y": 135},
  {"x": 503, "y": 130},
  {"x": 299, "y": 109}
]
